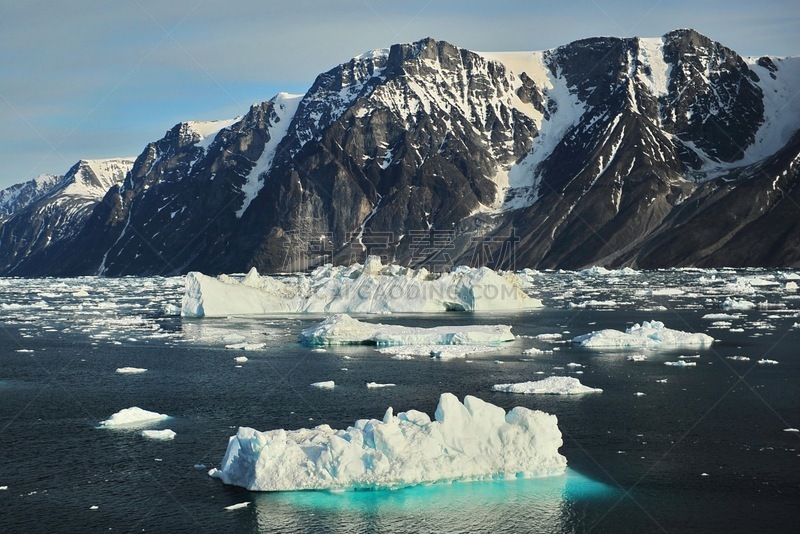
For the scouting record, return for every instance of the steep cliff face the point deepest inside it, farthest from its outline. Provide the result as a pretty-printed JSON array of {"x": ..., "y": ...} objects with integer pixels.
[{"x": 641, "y": 152}]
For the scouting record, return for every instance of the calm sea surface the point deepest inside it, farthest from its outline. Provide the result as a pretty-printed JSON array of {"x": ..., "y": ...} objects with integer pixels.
[{"x": 705, "y": 450}]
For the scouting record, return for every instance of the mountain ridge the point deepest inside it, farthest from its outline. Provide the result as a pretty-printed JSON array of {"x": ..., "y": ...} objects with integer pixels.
[{"x": 643, "y": 152}]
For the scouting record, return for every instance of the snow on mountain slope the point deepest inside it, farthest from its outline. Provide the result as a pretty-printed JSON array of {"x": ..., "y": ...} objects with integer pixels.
[
  {"x": 520, "y": 181},
  {"x": 18, "y": 196},
  {"x": 779, "y": 79},
  {"x": 208, "y": 130},
  {"x": 284, "y": 108}
]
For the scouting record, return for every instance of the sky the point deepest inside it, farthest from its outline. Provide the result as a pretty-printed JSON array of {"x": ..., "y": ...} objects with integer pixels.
[{"x": 89, "y": 79}]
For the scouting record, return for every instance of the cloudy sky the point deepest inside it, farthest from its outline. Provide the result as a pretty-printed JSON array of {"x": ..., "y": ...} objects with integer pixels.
[{"x": 98, "y": 79}]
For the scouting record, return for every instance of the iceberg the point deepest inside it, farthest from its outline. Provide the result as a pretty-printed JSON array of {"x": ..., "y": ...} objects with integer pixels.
[
  {"x": 327, "y": 384},
  {"x": 165, "y": 434},
  {"x": 552, "y": 385},
  {"x": 650, "y": 334},
  {"x": 341, "y": 329},
  {"x": 371, "y": 288},
  {"x": 471, "y": 441},
  {"x": 442, "y": 352},
  {"x": 133, "y": 417},
  {"x": 130, "y": 370}
]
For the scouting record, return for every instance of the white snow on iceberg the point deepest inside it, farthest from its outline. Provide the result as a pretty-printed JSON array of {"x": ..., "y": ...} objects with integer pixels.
[
  {"x": 552, "y": 385},
  {"x": 650, "y": 334},
  {"x": 342, "y": 329},
  {"x": 133, "y": 417},
  {"x": 371, "y": 288},
  {"x": 470, "y": 441}
]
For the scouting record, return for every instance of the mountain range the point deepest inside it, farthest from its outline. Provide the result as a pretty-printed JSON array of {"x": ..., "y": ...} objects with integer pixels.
[{"x": 644, "y": 152}]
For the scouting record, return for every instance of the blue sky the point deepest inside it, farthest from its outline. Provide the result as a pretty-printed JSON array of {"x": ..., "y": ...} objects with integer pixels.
[{"x": 99, "y": 79}]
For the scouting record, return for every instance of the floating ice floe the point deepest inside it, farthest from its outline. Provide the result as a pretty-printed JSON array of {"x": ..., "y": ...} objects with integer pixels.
[
  {"x": 240, "y": 359},
  {"x": 785, "y": 430},
  {"x": 246, "y": 346},
  {"x": 165, "y": 434},
  {"x": 371, "y": 288},
  {"x": 237, "y": 506},
  {"x": 373, "y": 385},
  {"x": 740, "y": 305},
  {"x": 132, "y": 417},
  {"x": 739, "y": 358},
  {"x": 552, "y": 385},
  {"x": 681, "y": 363},
  {"x": 443, "y": 352},
  {"x": 342, "y": 329},
  {"x": 637, "y": 357},
  {"x": 470, "y": 441},
  {"x": 328, "y": 384},
  {"x": 650, "y": 334},
  {"x": 534, "y": 351},
  {"x": 130, "y": 370},
  {"x": 768, "y": 362}
]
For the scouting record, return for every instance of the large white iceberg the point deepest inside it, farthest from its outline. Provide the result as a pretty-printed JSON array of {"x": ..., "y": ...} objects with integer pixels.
[
  {"x": 470, "y": 441},
  {"x": 341, "y": 329},
  {"x": 371, "y": 288},
  {"x": 650, "y": 334},
  {"x": 552, "y": 385}
]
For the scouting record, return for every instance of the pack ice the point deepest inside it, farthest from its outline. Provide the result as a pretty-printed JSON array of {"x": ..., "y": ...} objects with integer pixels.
[
  {"x": 369, "y": 288},
  {"x": 650, "y": 334},
  {"x": 470, "y": 441},
  {"x": 341, "y": 329}
]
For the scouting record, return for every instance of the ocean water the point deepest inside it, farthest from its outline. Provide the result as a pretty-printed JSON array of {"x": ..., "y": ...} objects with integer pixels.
[{"x": 704, "y": 451}]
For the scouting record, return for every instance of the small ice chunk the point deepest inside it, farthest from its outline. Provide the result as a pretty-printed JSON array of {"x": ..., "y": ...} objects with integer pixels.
[
  {"x": 24, "y": 351},
  {"x": 739, "y": 305},
  {"x": 240, "y": 359},
  {"x": 165, "y": 434},
  {"x": 94, "y": 507},
  {"x": 767, "y": 362},
  {"x": 328, "y": 384},
  {"x": 132, "y": 417},
  {"x": 637, "y": 357},
  {"x": 785, "y": 430},
  {"x": 534, "y": 351},
  {"x": 238, "y": 506},
  {"x": 739, "y": 358},
  {"x": 552, "y": 385},
  {"x": 681, "y": 363},
  {"x": 245, "y": 346},
  {"x": 640, "y": 394},
  {"x": 378, "y": 385},
  {"x": 3, "y": 488},
  {"x": 130, "y": 370}
]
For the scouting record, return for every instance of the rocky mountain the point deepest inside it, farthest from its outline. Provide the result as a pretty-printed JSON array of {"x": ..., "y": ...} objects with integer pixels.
[
  {"x": 45, "y": 215},
  {"x": 670, "y": 151},
  {"x": 18, "y": 196}
]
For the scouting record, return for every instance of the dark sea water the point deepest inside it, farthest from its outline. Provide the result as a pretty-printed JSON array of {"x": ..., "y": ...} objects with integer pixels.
[{"x": 704, "y": 451}]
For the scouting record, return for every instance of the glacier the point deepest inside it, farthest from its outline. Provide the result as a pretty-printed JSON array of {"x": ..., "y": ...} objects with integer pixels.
[
  {"x": 341, "y": 329},
  {"x": 475, "y": 440},
  {"x": 371, "y": 288},
  {"x": 650, "y": 334}
]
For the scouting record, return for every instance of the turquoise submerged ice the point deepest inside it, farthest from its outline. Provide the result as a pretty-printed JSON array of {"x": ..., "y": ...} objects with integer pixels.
[{"x": 475, "y": 440}]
